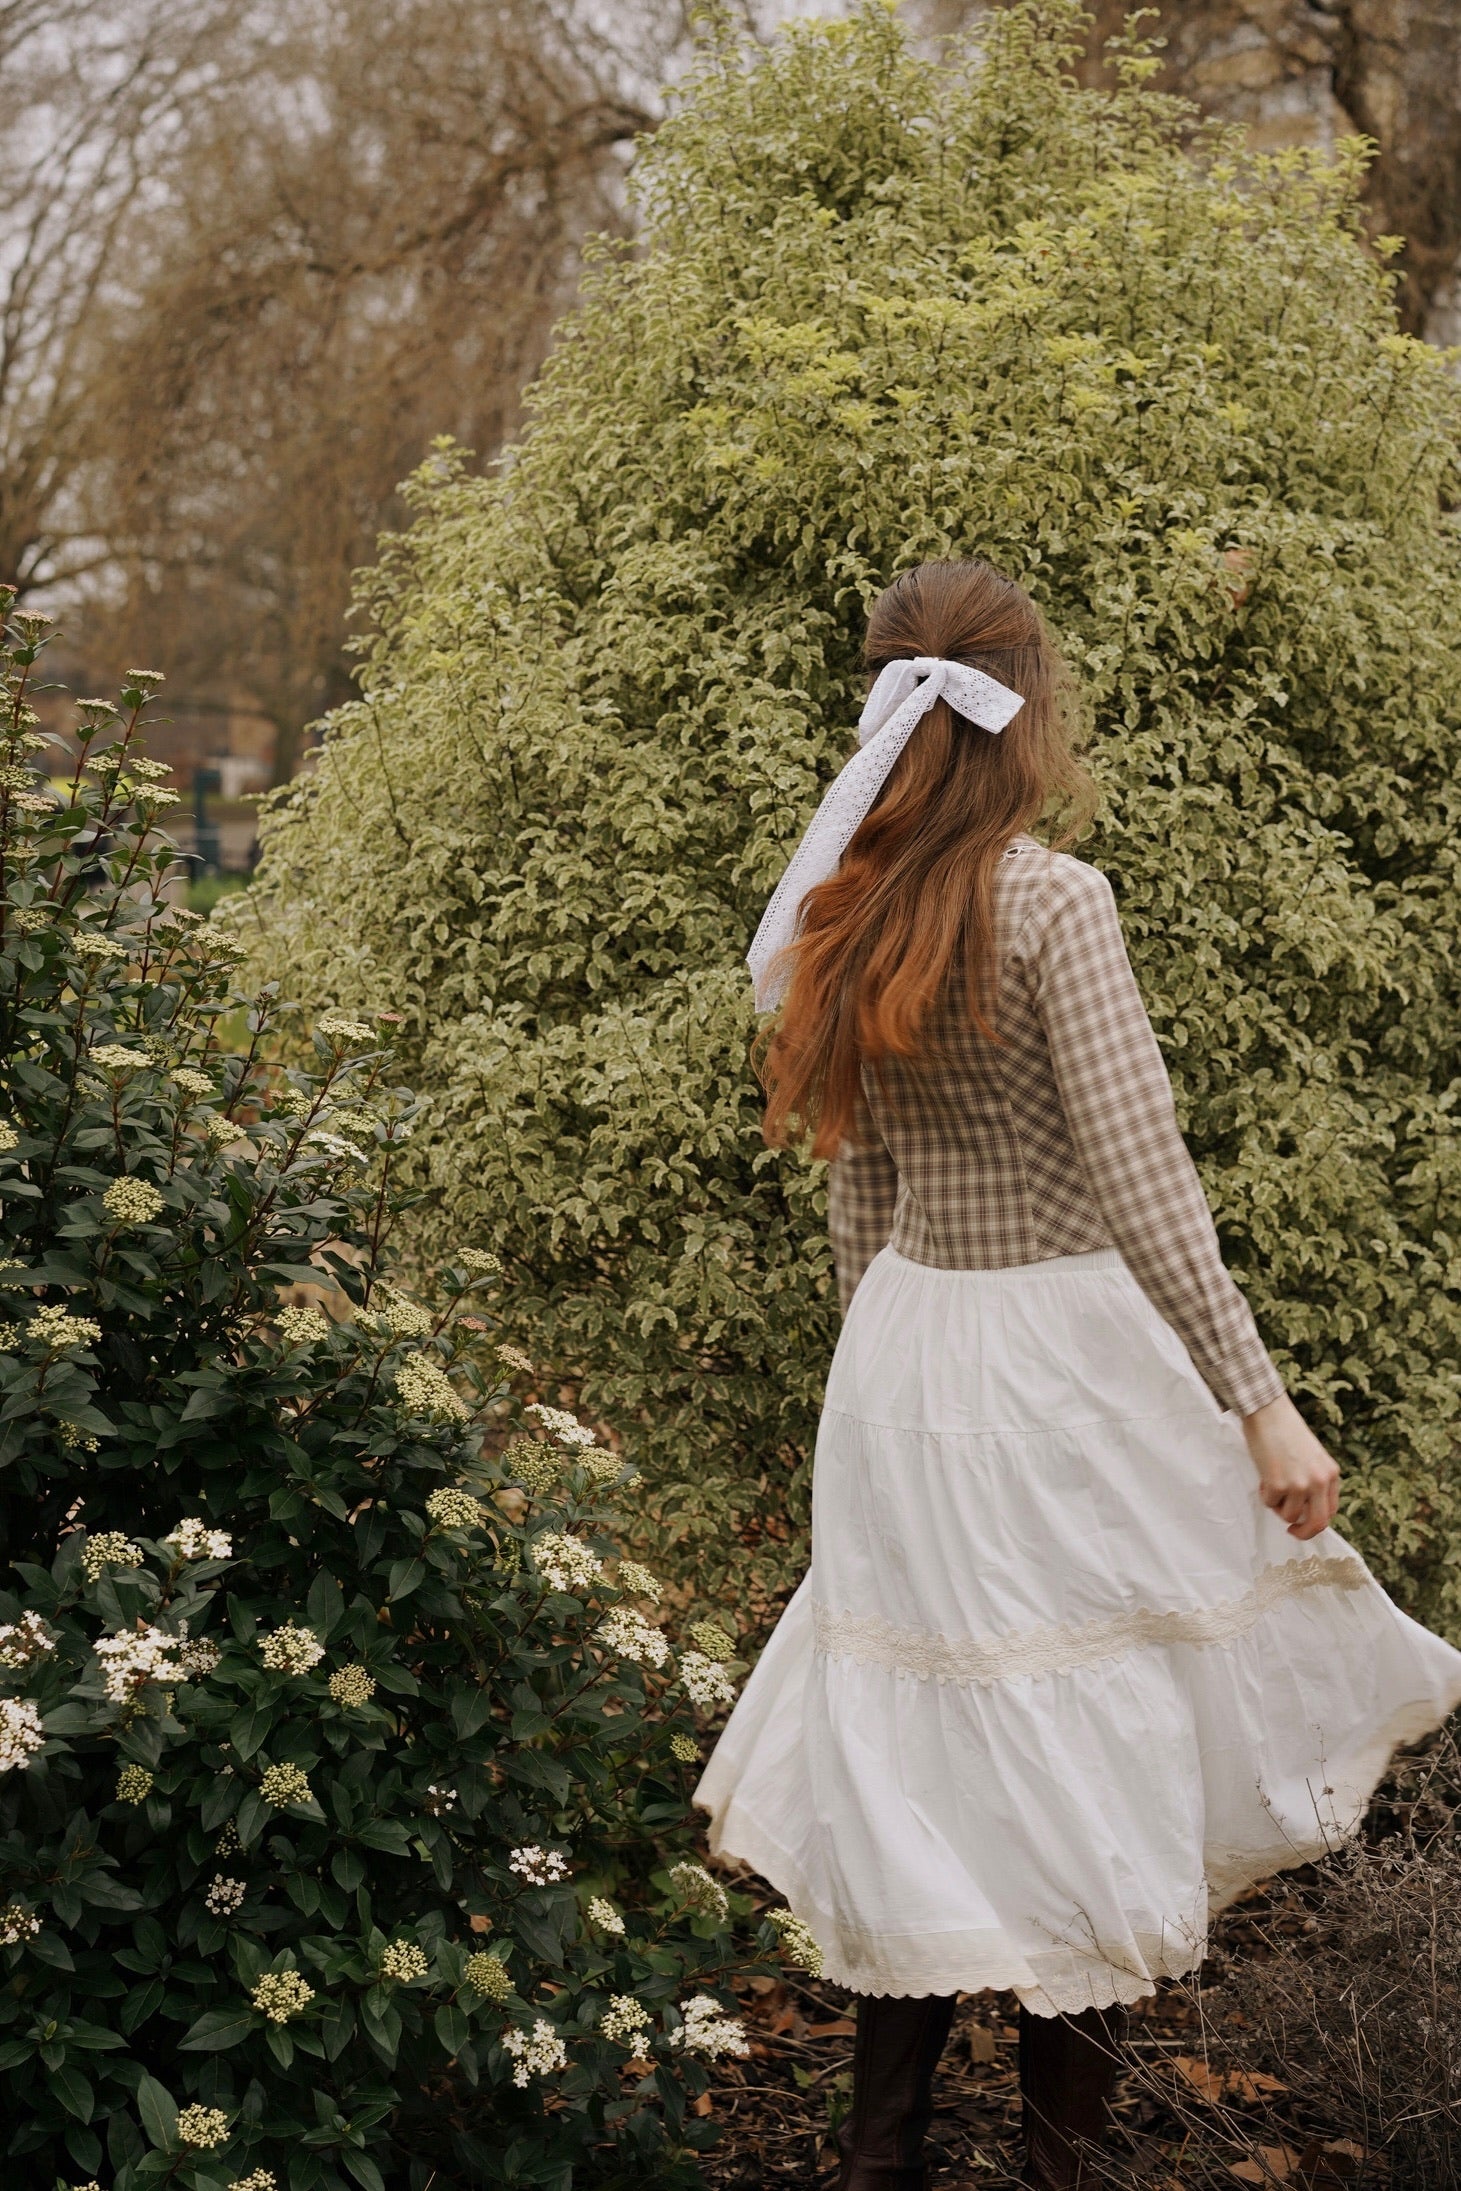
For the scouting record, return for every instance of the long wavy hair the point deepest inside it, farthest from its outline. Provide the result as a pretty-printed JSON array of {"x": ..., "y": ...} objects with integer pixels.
[{"x": 911, "y": 906}]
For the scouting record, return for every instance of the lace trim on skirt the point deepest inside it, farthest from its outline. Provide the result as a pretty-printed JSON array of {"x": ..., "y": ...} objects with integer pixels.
[{"x": 1059, "y": 1650}]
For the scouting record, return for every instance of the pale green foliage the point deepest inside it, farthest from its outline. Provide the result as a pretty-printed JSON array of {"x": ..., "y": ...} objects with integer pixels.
[{"x": 888, "y": 310}]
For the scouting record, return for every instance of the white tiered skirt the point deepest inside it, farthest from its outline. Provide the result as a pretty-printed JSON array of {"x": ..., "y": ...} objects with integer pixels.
[{"x": 1057, "y": 1685}]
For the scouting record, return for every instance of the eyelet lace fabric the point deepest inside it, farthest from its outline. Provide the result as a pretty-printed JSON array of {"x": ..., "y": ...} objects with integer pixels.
[{"x": 873, "y": 1641}]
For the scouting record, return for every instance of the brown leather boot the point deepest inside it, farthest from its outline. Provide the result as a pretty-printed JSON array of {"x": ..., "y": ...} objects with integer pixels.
[
  {"x": 1068, "y": 2067},
  {"x": 894, "y": 2057}
]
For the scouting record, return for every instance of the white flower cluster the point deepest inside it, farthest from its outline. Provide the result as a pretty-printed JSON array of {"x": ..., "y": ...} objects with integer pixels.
[
  {"x": 258, "y": 2179},
  {"x": 222, "y": 1130},
  {"x": 132, "y": 1201},
  {"x": 17, "y": 1923},
  {"x": 192, "y": 1082},
  {"x": 134, "y": 1784},
  {"x": 479, "y": 1260},
  {"x": 197, "y": 1659},
  {"x": 108, "y": 1548},
  {"x": 685, "y": 1748},
  {"x": 345, "y": 1030},
  {"x": 291, "y": 1650},
  {"x": 281, "y": 1785},
  {"x": 224, "y": 1896},
  {"x": 402, "y": 1318},
  {"x": 565, "y": 1563},
  {"x": 89, "y": 943},
  {"x": 303, "y": 1327},
  {"x": 566, "y": 1428},
  {"x": 9, "y": 1138},
  {"x": 352, "y": 1686},
  {"x": 707, "y": 2031},
  {"x": 280, "y": 1994},
  {"x": 115, "y": 1057},
  {"x": 626, "y": 2022},
  {"x": 57, "y": 1327},
  {"x": 423, "y": 1388},
  {"x": 706, "y": 1683},
  {"x": 539, "y": 1866},
  {"x": 439, "y": 1800},
  {"x": 454, "y": 1508},
  {"x": 537, "y": 2053},
  {"x": 202, "y": 2127},
  {"x": 629, "y": 1635},
  {"x": 711, "y": 1640},
  {"x": 23, "y": 1641},
  {"x": 639, "y": 1581},
  {"x": 403, "y": 1961},
  {"x": 602, "y": 1465},
  {"x": 21, "y": 1733},
  {"x": 134, "y": 1657},
  {"x": 515, "y": 1358},
  {"x": 798, "y": 1942},
  {"x": 192, "y": 1541},
  {"x": 698, "y": 1891},
  {"x": 604, "y": 1916},
  {"x": 337, "y": 1146},
  {"x": 486, "y": 1975},
  {"x": 537, "y": 1467}
]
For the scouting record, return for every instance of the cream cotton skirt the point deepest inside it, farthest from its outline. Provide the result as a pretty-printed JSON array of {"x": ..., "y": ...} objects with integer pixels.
[{"x": 1057, "y": 1686}]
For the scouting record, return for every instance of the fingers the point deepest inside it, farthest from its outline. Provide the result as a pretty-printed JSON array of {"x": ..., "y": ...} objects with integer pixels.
[{"x": 1305, "y": 1509}]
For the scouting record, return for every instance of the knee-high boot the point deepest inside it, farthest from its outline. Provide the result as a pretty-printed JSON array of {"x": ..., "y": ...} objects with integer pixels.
[
  {"x": 1068, "y": 2067},
  {"x": 894, "y": 2057}
]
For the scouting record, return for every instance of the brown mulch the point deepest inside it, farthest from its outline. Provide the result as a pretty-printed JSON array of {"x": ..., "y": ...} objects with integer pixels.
[{"x": 776, "y": 2111}]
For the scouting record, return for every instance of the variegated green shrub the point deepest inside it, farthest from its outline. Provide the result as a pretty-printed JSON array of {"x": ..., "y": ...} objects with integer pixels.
[{"x": 887, "y": 308}]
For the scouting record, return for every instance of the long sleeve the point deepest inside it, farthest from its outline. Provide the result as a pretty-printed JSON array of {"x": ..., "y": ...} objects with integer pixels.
[
  {"x": 1118, "y": 1107},
  {"x": 862, "y": 1191}
]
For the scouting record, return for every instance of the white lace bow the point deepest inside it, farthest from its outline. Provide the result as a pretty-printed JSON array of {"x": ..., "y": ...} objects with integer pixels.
[{"x": 901, "y": 696}]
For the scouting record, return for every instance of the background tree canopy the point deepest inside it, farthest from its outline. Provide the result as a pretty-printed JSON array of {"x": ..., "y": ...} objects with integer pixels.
[{"x": 885, "y": 309}]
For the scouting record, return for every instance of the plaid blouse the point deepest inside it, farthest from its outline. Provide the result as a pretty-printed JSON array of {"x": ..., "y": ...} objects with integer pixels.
[{"x": 1059, "y": 1139}]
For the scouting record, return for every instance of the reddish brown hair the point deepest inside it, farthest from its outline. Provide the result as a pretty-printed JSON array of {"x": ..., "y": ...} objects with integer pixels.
[{"x": 913, "y": 898}]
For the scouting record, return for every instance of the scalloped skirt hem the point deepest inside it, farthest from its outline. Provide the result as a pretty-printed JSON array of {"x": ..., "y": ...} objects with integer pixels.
[{"x": 1059, "y": 1983}]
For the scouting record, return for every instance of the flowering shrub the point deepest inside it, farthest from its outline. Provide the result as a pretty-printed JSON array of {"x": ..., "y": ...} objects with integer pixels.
[
  {"x": 889, "y": 306},
  {"x": 338, "y": 1777}
]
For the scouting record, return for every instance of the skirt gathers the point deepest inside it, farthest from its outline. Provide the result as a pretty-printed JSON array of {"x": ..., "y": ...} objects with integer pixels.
[{"x": 1057, "y": 1686}]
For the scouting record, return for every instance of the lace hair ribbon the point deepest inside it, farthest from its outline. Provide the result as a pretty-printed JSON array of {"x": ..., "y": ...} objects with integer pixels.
[{"x": 900, "y": 698}]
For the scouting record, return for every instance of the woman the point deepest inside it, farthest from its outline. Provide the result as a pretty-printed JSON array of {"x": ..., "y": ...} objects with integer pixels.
[{"x": 1078, "y": 1658}]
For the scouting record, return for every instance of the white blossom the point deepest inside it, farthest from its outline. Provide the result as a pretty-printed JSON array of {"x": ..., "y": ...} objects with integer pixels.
[
  {"x": 537, "y": 2053},
  {"x": 566, "y": 1428},
  {"x": 698, "y": 1891},
  {"x": 625, "y": 2021},
  {"x": 629, "y": 1635},
  {"x": 191, "y": 1541},
  {"x": 707, "y": 2032},
  {"x": 21, "y": 1733},
  {"x": 565, "y": 1563},
  {"x": 706, "y": 1683},
  {"x": 224, "y": 1896},
  {"x": 539, "y": 1866},
  {"x": 136, "y": 1656},
  {"x": 22, "y": 1642}
]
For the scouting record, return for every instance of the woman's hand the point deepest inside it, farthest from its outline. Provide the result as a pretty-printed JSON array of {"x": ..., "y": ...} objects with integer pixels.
[{"x": 1297, "y": 1478}]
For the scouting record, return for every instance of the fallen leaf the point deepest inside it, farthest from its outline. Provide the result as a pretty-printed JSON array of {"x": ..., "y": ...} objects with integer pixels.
[
  {"x": 1271, "y": 2164},
  {"x": 1251, "y": 2084},
  {"x": 983, "y": 2046},
  {"x": 704, "y": 2105},
  {"x": 1206, "y": 2083},
  {"x": 842, "y": 2028},
  {"x": 480, "y": 1924}
]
